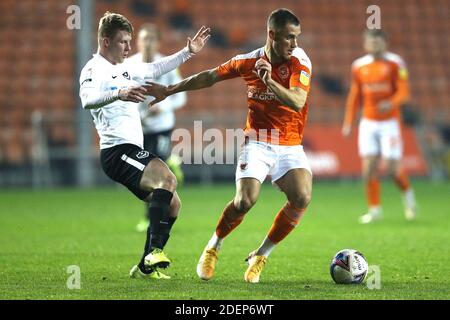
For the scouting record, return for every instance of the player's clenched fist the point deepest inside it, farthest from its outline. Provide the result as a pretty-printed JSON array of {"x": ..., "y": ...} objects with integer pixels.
[{"x": 263, "y": 70}]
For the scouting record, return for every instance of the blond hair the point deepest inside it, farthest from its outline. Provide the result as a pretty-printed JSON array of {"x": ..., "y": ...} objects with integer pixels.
[{"x": 110, "y": 23}]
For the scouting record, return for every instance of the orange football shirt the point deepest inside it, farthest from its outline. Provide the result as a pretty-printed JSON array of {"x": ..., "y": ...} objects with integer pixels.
[
  {"x": 266, "y": 113},
  {"x": 375, "y": 80}
]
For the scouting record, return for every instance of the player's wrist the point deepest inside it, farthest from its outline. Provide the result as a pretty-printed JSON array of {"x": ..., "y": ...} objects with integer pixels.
[
  {"x": 119, "y": 94},
  {"x": 270, "y": 82},
  {"x": 170, "y": 90},
  {"x": 188, "y": 51}
]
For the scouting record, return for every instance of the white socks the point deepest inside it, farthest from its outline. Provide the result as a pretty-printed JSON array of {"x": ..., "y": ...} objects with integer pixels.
[
  {"x": 375, "y": 211},
  {"x": 409, "y": 198},
  {"x": 266, "y": 248},
  {"x": 215, "y": 242}
]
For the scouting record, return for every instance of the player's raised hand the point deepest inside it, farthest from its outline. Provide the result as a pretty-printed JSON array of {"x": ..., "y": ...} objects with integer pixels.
[
  {"x": 156, "y": 90},
  {"x": 133, "y": 94},
  {"x": 196, "y": 44}
]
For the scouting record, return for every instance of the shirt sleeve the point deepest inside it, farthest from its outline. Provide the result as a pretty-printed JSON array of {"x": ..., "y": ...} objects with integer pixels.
[
  {"x": 353, "y": 99},
  {"x": 91, "y": 93},
  {"x": 162, "y": 66},
  {"x": 228, "y": 70},
  {"x": 401, "y": 94},
  {"x": 301, "y": 76}
]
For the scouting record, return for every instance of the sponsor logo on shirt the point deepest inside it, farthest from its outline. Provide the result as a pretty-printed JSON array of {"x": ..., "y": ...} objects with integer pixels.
[
  {"x": 257, "y": 94},
  {"x": 376, "y": 87}
]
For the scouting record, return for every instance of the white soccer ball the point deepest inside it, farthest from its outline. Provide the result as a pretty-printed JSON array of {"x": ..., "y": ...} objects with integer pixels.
[{"x": 349, "y": 267}]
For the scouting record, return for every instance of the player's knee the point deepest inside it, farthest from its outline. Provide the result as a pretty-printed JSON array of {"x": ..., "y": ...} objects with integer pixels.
[
  {"x": 300, "y": 200},
  {"x": 169, "y": 181},
  {"x": 244, "y": 204},
  {"x": 166, "y": 180},
  {"x": 146, "y": 184}
]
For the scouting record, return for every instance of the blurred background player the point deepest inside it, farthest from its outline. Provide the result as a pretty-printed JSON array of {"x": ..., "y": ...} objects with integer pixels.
[
  {"x": 158, "y": 121},
  {"x": 278, "y": 81},
  {"x": 109, "y": 88},
  {"x": 380, "y": 85}
]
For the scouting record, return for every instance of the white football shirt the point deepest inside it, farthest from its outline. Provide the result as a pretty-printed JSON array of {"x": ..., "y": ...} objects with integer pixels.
[
  {"x": 118, "y": 122},
  {"x": 165, "y": 120}
]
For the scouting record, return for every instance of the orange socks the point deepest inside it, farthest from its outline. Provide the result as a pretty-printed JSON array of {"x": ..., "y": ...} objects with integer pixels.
[
  {"x": 373, "y": 192},
  {"x": 229, "y": 220},
  {"x": 285, "y": 221},
  {"x": 402, "y": 180}
]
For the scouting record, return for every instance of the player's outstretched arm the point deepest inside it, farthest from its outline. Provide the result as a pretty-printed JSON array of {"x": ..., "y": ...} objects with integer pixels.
[
  {"x": 162, "y": 66},
  {"x": 94, "y": 99},
  {"x": 198, "y": 81}
]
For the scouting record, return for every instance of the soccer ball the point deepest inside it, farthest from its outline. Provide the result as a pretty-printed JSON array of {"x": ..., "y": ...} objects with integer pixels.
[{"x": 348, "y": 267}]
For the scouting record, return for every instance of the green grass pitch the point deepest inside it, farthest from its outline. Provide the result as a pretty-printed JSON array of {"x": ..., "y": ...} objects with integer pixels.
[{"x": 44, "y": 232}]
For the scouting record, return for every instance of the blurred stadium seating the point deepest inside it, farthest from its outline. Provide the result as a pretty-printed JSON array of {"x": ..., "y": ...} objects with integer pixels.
[{"x": 38, "y": 58}]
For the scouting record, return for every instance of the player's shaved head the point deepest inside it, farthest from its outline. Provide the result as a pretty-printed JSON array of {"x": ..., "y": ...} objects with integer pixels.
[
  {"x": 110, "y": 23},
  {"x": 280, "y": 18},
  {"x": 283, "y": 29}
]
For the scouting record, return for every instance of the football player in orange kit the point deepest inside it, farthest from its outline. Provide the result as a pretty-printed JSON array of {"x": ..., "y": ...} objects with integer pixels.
[
  {"x": 380, "y": 85},
  {"x": 278, "y": 81}
]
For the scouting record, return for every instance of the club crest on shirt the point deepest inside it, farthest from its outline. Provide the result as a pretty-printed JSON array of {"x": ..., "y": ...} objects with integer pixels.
[
  {"x": 283, "y": 72},
  {"x": 142, "y": 154},
  {"x": 126, "y": 75}
]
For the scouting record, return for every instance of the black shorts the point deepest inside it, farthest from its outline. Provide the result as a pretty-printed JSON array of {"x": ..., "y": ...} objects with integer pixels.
[
  {"x": 125, "y": 163},
  {"x": 159, "y": 143}
]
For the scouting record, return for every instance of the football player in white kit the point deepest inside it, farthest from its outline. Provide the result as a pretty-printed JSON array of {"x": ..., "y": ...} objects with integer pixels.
[
  {"x": 110, "y": 90},
  {"x": 158, "y": 121}
]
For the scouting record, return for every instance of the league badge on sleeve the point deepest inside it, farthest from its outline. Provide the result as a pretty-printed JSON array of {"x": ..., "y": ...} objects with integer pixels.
[
  {"x": 403, "y": 73},
  {"x": 304, "y": 78}
]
